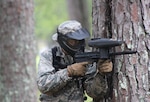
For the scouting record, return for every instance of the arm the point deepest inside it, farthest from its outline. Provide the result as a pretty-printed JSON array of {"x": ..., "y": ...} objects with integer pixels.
[{"x": 50, "y": 81}]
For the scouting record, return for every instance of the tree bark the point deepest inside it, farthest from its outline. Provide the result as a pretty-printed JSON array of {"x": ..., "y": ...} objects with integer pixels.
[
  {"x": 17, "y": 51},
  {"x": 130, "y": 22},
  {"x": 78, "y": 10},
  {"x": 101, "y": 21}
]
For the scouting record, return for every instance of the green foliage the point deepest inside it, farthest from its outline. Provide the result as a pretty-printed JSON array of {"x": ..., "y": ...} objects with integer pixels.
[
  {"x": 89, "y": 99},
  {"x": 48, "y": 15}
]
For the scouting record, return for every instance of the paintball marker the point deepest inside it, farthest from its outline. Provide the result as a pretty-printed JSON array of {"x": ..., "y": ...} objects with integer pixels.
[{"x": 103, "y": 46}]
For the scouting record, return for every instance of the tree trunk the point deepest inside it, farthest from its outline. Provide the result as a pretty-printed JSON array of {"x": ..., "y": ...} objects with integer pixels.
[
  {"x": 17, "y": 52},
  {"x": 130, "y": 22},
  {"x": 101, "y": 14},
  {"x": 78, "y": 10}
]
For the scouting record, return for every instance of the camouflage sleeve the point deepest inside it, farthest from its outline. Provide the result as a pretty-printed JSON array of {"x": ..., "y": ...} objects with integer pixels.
[
  {"x": 96, "y": 86},
  {"x": 50, "y": 81}
]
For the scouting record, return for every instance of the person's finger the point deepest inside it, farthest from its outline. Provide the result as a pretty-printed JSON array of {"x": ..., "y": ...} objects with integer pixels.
[{"x": 84, "y": 63}]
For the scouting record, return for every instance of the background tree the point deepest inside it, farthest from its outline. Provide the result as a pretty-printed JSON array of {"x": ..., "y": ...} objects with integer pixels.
[
  {"x": 128, "y": 21},
  {"x": 48, "y": 15},
  {"x": 78, "y": 10},
  {"x": 17, "y": 52}
]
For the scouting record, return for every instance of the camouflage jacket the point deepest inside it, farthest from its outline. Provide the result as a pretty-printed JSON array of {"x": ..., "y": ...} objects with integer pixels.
[{"x": 56, "y": 86}]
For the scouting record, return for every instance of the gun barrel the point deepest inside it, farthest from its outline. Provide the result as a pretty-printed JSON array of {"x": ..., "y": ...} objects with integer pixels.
[{"x": 122, "y": 53}]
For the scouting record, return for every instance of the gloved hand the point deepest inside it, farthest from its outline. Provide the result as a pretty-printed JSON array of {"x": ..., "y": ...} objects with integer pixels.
[
  {"x": 104, "y": 66},
  {"x": 77, "y": 69}
]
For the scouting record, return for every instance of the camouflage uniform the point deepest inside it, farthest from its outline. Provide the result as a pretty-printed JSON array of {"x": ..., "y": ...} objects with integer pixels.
[{"x": 56, "y": 86}]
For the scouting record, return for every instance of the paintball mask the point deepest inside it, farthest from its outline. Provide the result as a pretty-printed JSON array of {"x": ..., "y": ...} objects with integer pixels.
[{"x": 71, "y": 30}]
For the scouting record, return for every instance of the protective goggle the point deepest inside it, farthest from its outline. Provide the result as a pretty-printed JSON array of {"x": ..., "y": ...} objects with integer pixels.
[{"x": 77, "y": 35}]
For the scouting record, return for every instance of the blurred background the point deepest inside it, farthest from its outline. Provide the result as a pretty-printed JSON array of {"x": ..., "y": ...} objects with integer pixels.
[{"x": 49, "y": 14}]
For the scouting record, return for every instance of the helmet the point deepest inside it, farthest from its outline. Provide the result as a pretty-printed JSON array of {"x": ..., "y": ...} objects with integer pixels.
[{"x": 71, "y": 30}]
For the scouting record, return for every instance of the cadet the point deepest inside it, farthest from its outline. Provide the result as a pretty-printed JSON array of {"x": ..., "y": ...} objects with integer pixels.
[{"x": 60, "y": 79}]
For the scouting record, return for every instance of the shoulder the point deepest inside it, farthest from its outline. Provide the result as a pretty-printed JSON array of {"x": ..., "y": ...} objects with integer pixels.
[{"x": 46, "y": 52}]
